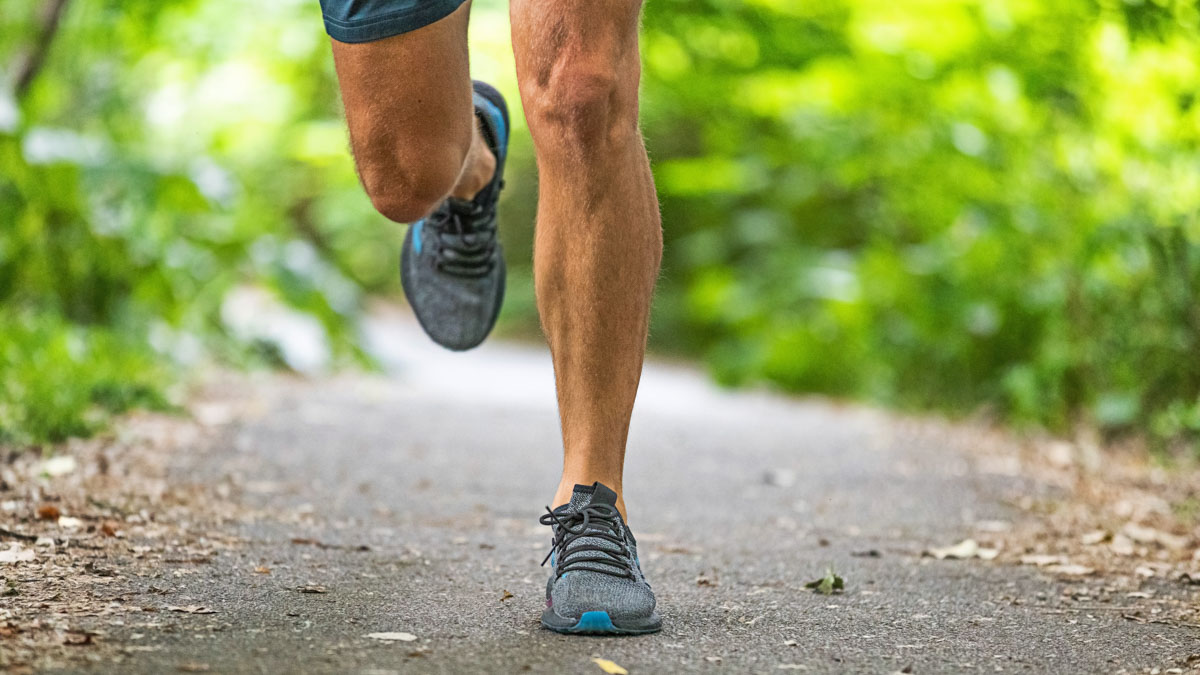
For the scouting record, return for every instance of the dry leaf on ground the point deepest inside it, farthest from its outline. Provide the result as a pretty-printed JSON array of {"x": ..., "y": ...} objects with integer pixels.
[
  {"x": 59, "y": 466},
  {"x": 16, "y": 553},
  {"x": 1041, "y": 560},
  {"x": 967, "y": 548},
  {"x": 392, "y": 637},
  {"x": 1070, "y": 570},
  {"x": 609, "y": 667}
]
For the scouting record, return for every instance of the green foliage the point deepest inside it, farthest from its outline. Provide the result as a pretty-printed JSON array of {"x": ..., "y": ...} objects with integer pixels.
[
  {"x": 157, "y": 164},
  {"x": 959, "y": 205},
  {"x": 64, "y": 380},
  {"x": 827, "y": 585},
  {"x": 951, "y": 204}
]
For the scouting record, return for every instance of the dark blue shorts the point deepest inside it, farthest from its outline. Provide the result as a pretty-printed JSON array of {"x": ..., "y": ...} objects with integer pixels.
[{"x": 367, "y": 20}]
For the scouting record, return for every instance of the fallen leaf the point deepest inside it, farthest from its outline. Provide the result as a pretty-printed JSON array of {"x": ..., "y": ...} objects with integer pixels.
[
  {"x": 505, "y": 596},
  {"x": 312, "y": 588},
  {"x": 828, "y": 584},
  {"x": 110, "y": 528},
  {"x": 192, "y": 609},
  {"x": 967, "y": 548},
  {"x": 392, "y": 637},
  {"x": 78, "y": 638},
  {"x": 1149, "y": 535},
  {"x": 59, "y": 466},
  {"x": 262, "y": 569},
  {"x": 48, "y": 512},
  {"x": 1142, "y": 535},
  {"x": 1042, "y": 560},
  {"x": 1121, "y": 545},
  {"x": 609, "y": 667},
  {"x": 192, "y": 668},
  {"x": 16, "y": 553},
  {"x": 1070, "y": 570}
]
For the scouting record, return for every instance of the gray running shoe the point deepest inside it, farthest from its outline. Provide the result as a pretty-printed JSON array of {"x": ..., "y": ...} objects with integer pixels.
[
  {"x": 452, "y": 264},
  {"x": 597, "y": 586}
]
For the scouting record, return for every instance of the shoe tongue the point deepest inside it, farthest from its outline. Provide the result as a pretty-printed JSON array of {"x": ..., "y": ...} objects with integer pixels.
[
  {"x": 460, "y": 206},
  {"x": 596, "y": 493}
]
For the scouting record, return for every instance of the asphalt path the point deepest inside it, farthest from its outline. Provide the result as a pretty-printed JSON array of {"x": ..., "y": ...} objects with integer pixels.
[{"x": 408, "y": 503}]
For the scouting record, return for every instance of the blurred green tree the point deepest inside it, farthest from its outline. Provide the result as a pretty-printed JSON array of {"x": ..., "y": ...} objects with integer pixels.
[{"x": 950, "y": 204}]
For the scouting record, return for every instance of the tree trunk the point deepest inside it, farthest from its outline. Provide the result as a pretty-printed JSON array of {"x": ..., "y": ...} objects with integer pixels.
[{"x": 31, "y": 63}]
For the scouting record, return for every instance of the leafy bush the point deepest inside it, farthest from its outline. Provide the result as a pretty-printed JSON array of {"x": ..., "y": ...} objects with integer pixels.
[
  {"x": 950, "y": 205},
  {"x": 156, "y": 165},
  {"x": 64, "y": 380},
  {"x": 962, "y": 205}
]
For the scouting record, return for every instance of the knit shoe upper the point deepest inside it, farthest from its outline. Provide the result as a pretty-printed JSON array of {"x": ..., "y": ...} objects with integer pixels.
[{"x": 596, "y": 567}]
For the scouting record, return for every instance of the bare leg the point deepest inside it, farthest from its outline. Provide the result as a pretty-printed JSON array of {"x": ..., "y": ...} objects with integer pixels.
[
  {"x": 411, "y": 118},
  {"x": 599, "y": 239}
]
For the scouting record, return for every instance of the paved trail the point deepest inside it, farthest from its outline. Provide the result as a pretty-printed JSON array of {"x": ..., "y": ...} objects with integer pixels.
[{"x": 440, "y": 469}]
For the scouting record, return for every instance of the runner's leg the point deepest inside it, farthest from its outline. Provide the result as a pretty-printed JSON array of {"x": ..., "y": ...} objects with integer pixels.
[
  {"x": 599, "y": 239},
  {"x": 412, "y": 124}
]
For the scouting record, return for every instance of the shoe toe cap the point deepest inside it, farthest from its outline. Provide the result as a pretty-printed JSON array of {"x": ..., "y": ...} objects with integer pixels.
[{"x": 580, "y": 592}]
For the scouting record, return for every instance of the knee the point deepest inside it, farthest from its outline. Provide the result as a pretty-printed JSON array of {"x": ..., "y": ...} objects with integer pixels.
[
  {"x": 406, "y": 190},
  {"x": 581, "y": 107}
]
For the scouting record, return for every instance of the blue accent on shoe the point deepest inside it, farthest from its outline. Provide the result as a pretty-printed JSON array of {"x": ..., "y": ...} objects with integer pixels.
[
  {"x": 595, "y": 621},
  {"x": 417, "y": 234},
  {"x": 497, "y": 122}
]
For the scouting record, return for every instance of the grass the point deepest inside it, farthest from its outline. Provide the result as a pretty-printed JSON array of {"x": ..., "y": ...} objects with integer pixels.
[{"x": 59, "y": 380}]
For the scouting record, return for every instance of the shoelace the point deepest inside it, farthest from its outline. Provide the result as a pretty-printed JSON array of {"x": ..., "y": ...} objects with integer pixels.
[
  {"x": 463, "y": 248},
  {"x": 597, "y": 521}
]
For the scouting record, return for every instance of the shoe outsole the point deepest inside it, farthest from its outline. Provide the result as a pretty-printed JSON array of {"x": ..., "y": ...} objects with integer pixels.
[{"x": 599, "y": 623}]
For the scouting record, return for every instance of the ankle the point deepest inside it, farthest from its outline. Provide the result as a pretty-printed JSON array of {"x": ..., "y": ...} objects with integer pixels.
[
  {"x": 567, "y": 486},
  {"x": 477, "y": 172}
]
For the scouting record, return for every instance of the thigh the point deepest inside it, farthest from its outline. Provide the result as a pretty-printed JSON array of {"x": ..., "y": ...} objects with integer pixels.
[{"x": 407, "y": 97}]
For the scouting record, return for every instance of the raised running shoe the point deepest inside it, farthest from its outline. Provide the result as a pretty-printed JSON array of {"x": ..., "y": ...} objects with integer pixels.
[{"x": 452, "y": 264}]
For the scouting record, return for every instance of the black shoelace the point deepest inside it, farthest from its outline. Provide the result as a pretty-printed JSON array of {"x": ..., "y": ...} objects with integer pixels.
[
  {"x": 599, "y": 522},
  {"x": 465, "y": 239}
]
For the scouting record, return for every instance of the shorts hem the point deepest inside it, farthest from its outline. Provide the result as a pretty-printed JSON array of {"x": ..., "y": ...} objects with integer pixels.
[{"x": 390, "y": 24}]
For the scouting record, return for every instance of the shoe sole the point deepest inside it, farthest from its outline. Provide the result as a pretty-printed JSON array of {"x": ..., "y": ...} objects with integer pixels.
[{"x": 599, "y": 623}]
